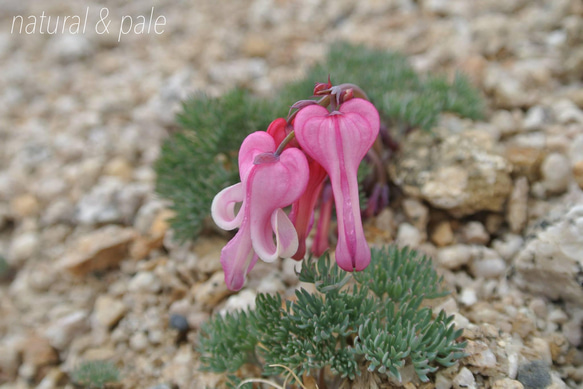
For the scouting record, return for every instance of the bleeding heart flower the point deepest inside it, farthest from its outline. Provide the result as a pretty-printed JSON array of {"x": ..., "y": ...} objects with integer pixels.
[
  {"x": 268, "y": 183},
  {"x": 339, "y": 141}
]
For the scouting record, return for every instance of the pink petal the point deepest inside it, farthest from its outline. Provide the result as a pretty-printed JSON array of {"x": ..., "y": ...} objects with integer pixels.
[
  {"x": 285, "y": 234},
  {"x": 238, "y": 258},
  {"x": 256, "y": 143},
  {"x": 339, "y": 141},
  {"x": 223, "y": 207},
  {"x": 272, "y": 186}
]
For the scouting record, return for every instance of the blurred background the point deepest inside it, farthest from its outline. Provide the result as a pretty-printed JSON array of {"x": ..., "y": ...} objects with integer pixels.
[{"x": 88, "y": 266}]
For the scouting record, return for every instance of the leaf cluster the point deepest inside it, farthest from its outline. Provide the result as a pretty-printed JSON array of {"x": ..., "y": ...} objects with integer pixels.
[
  {"x": 95, "y": 374},
  {"x": 402, "y": 96},
  {"x": 373, "y": 319}
]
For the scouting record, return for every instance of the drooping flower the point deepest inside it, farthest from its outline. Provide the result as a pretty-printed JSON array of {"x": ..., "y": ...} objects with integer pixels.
[
  {"x": 302, "y": 212},
  {"x": 339, "y": 141},
  {"x": 269, "y": 182}
]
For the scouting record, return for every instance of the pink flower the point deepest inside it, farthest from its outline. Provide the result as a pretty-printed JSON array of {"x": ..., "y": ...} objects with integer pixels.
[
  {"x": 339, "y": 141},
  {"x": 303, "y": 210},
  {"x": 268, "y": 183}
]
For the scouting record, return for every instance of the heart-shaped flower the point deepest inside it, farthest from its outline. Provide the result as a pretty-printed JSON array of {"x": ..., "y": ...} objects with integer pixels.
[
  {"x": 269, "y": 182},
  {"x": 339, "y": 141}
]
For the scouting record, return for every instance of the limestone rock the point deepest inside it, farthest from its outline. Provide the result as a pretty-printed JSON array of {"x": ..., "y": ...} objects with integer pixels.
[
  {"x": 453, "y": 257},
  {"x": 551, "y": 263},
  {"x": 456, "y": 172},
  {"x": 442, "y": 234},
  {"x": 61, "y": 332},
  {"x": 517, "y": 210},
  {"x": 465, "y": 379},
  {"x": 108, "y": 311},
  {"x": 99, "y": 250},
  {"x": 555, "y": 171},
  {"x": 210, "y": 292}
]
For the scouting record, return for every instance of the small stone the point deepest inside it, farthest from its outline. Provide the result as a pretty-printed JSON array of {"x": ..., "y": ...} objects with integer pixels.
[
  {"x": 417, "y": 213},
  {"x": 442, "y": 234},
  {"x": 385, "y": 221},
  {"x": 572, "y": 331},
  {"x": 256, "y": 45},
  {"x": 24, "y": 206},
  {"x": 98, "y": 250},
  {"x": 408, "y": 235},
  {"x": 475, "y": 233},
  {"x": 558, "y": 316},
  {"x": 139, "y": 341},
  {"x": 108, "y": 311},
  {"x": 455, "y": 256},
  {"x": 270, "y": 285},
  {"x": 290, "y": 269},
  {"x": 555, "y": 172},
  {"x": 9, "y": 358},
  {"x": 53, "y": 379},
  {"x": 567, "y": 112},
  {"x": 145, "y": 281},
  {"x": 178, "y": 322},
  {"x": 548, "y": 264},
  {"x": 534, "y": 119},
  {"x": 488, "y": 268},
  {"x": 539, "y": 307},
  {"x": 506, "y": 122},
  {"x": 119, "y": 167},
  {"x": 464, "y": 380},
  {"x": 449, "y": 306},
  {"x": 37, "y": 352},
  {"x": 59, "y": 211},
  {"x": 442, "y": 382},
  {"x": 542, "y": 348},
  {"x": 208, "y": 252},
  {"x": 244, "y": 300},
  {"x": 517, "y": 209},
  {"x": 480, "y": 356},
  {"x": 509, "y": 246},
  {"x": 197, "y": 319},
  {"x": 210, "y": 292},
  {"x": 468, "y": 297},
  {"x": 61, "y": 332},
  {"x": 578, "y": 173},
  {"x": 23, "y": 247},
  {"x": 525, "y": 160},
  {"x": 507, "y": 383},
  {"x": 535, "y": 374}
]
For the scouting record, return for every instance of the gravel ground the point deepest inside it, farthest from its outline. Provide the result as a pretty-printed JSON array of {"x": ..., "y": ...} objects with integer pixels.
[{"x": 95, "y": 272}]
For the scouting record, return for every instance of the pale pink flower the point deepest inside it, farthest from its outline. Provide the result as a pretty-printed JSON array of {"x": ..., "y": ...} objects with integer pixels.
[
  {"x": 339, "y": 141},
  {"x": 268, "y": 183}
]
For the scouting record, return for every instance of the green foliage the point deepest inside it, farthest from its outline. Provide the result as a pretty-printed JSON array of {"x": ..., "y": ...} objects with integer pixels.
[
  {"x": 402, "y": 96},
  {"x": 353, "y": 321},
  {"x": 199, "y": 161},
  {"x": 95, "y": 374}
]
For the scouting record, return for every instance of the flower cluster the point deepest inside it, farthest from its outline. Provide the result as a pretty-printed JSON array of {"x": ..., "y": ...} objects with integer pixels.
[{"x": 288, "y": 165}]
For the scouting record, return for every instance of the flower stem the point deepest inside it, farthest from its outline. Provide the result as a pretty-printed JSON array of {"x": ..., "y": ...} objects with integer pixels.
[{"x": 284, "y": 143}]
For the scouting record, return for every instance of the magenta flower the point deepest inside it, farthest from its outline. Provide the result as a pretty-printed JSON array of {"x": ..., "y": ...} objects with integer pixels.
[
  {"x": 339, "y": 141},
  {"x": 268, "y": 183}
]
